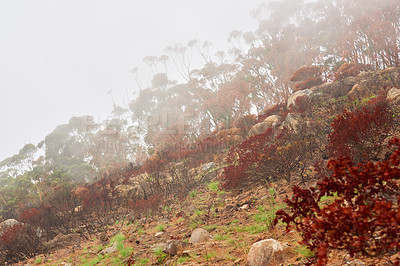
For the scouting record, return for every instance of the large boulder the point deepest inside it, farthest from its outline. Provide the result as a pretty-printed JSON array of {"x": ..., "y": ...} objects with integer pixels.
[
  {"x": 292, "y": 122},
  {"x": 393, "y": 95},
  {"x": 7, "y": 225},
  {"x": 268, "y": 252},
  {"x": 299, "y": 100},
  {"x": 210, "y": 170},
  {"x": 199, "y": 235},
  {"x": 325, "y": 88},
  {"x": 208, "y": 167},
  {"x": 273, "y": 120},
  {"x": 358, "y": 92},
  {"x": 258, "y": 128}
]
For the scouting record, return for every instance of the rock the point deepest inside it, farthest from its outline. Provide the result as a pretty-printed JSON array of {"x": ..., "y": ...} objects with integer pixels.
[
  {"x": 292, "y": 122},
  {"x": 358, "y": 92},
  {"x": 363, "y": 75},
  {"x": 389, "y": 70},
  {"x": 244, "y": 207},
  {"x": 208, "y": 166},
  {"x": 186, "y": 253},
  {"x": 104, "y": 237},
  {"x": 158, "y": 234},
  {"x": 61, "y": 241},
  {"x": 355, "y": 263},
  {"x": 111, "y": 249},
  {"x": 157, "y": 246},
  {"x": 299, "y": 99},
  {"x": 7, "y": 224},
  {"x": 273, "y": 120},
  {"x": 258, "y": 128},
  {"x": 350, "y": 81},
  {"x": 169, "y": 263},
  {"x": 325, "y": 88},
  {"x": 238, "y": 260},
  {"x": 174, "y": 247},
  {"x": 199, "y": 235},
  {"x": 393, "y": 95},
  {"x": 268, "y": 252}
]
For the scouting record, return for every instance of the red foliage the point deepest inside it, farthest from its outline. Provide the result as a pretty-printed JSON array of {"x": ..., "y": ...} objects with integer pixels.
[
  {"x": 30, "y": 215},
  {"x": 363, "y": 217},
  {"x": 349, "y": 70},
  {"x": 144, "y": 205},
  {"x": 10, "y": 235},
  {"x": 267, "y": 156},
  {"x": 305, "y": 73},
  {"x": 308, "y": 83},
  {"x": 360, "y": 134},
  {"x": 245, "y": 123},
  {"x": 277, "y": 109},
  {"x": 300, "y": 105}
]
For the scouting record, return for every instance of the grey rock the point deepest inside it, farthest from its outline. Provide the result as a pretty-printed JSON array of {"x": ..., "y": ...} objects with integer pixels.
[
  {"x": 111, "y": 249},
  {"x": 268, "y": 252},
  {"x": 273, "y": 120},
  {"x": 258, "y": 128},
  {"x": 199, "y": 235},
  {"x": 208, "y": 166},
  {"x": 393, "y": 95},
  {"x": 174, "y": 247}
]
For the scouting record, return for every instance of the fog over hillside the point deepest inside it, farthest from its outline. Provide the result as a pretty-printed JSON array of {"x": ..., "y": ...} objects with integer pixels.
[{"x": 65, "y": 58}]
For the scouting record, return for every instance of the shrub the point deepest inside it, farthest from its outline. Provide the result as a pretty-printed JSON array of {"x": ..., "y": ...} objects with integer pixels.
[
  {"x": 364, "y": 216},
  {"x": 308, "y": 83},
  {"x": 305, "y": 73},
  {"x": 350, "y": 70},
  {"x": 18, "y": 243},
  {"x": 267, "y": 156},
  {"x": 360, "y": 134}
]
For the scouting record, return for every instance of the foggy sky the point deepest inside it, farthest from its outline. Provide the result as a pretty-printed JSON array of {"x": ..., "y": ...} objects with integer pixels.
[{"x": 73, "y": 57}]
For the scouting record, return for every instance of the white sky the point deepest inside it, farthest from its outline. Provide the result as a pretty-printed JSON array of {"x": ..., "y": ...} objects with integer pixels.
[{"x": 61, "y": 58}]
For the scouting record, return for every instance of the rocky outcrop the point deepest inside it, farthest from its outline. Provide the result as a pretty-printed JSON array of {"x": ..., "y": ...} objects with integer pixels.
[{"x": 268, "y": 252}]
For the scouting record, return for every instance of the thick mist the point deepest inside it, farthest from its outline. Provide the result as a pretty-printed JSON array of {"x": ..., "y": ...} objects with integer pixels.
[{"x": 60, "y": 59}]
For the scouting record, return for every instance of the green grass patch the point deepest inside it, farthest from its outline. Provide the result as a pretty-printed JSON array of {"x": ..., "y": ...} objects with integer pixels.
[
  {"x": 213, "y": 186},
  {"x": 160, "y": 228},
  {"x": 117, "y": 238},
  {"x": 210, "y": 227},
  {"x": 210, "y": 255},
  {"x": 221, "y": 237},
  {"x": 193, "y": 193},
  {"x": 253, "y": 229},
  {"x": 142, "y": 262},
  {"x": 304, "y": 251},
  {"x": 182, "y": 259}
]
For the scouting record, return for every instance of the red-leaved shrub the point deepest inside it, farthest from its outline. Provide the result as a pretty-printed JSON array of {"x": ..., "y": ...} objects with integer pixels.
[
  {"x": 360, "y": 134},
  {"x": 364, "y": 216}
]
